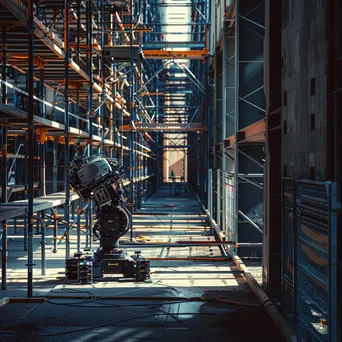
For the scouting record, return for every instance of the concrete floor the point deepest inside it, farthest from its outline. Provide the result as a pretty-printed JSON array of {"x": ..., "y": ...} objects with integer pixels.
[{"x": 184, "y": 301}]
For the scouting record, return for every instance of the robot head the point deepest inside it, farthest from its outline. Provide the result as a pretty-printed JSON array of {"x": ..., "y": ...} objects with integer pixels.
[{"x": 87, "y": 174}]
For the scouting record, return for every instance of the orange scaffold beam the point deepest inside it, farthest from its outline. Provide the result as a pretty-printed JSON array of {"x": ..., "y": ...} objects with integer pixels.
[{"x": 175, "y": 54}]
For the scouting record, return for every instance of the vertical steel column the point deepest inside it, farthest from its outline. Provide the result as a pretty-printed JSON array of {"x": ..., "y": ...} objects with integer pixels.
[
  {"x": 25, "y": 196},
  {"x": 114, "y": 116},
  {"x": 236, "y": 120},
  {"x": 207, "y": 146},
  {"x": 42, "y": 162},
  {"x": 37, "y": 148},
  {"x": 78, "y": 53},
  {"x": 209, "y": 191},
  {"x": 103, "y": 71},
  {"x": 218, "y": 198},
  {"x": 132, "y": 112},
  {"x": 78, "y": 49},
  {"x": 224, "y": 203},
  {"x": 79, "y": 208},
  {"x": 224, "y": 129},
  {"x": 41, "y": 89},
  {"x": 30, "y": 149},
  {"x": 26, "y": 192},
  {"x": 89, "y": 39},
  {"x": 43, "y": 193},
  {"x": 210, "y": 196},
  {"x": 4, "y": 162},
  {"x": 55, "y": 230},
  {"x": 224, "y": 97},
  {"x": 37, "y": 221},
  {"x": 87, "y": 226},
  {"x": 159, "y": 155},
  {"x": 66, "y": 132},
  {"x": 42, "y": 242},
  {"x": 215, "y": 86},
  {"x": 199, "y": 144},
  {"x": 55, "y": 165}
]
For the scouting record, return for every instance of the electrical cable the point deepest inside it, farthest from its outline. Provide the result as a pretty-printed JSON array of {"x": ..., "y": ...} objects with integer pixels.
[
  {"x": 65, "y": 290},
  {"x": 103, "y": 305},
  {"x": 109, "y": 324},
  {"x": 167, "y": 316},
  {"x": 186, "y": 300}
]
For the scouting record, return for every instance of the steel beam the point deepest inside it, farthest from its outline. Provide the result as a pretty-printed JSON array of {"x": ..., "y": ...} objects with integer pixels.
[
  {"x": 31, "y": 140},
  {"x": 4, "y": 163},
  {"x": 66, "y": 123}
]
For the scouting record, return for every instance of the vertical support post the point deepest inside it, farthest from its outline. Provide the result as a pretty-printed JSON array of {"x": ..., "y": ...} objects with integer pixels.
[
  {"x": 113, "y": 116},
  {"x": 55, "y": 230},
  {"x": 90, "y": 226},
  {"x": 78, "y": 53},
  {"x": 89, "y": 40},
  {"x": 224, "y": 130},
  {"x": 199, "y": 143},
  {"x": 159, "y": 153},
  {"x": 26, "y": 232},
  {"x": 26, "y": 166},
  {"x": 55, "y": 165},
  {"x": 132, "y": 112},
  {"x": 218, "y": 198},
  {"x": 103, "y": 74},
  {"x": 73, "y": 206},
  {"x": 4, "y": 162},
  {"x": 207, "y": 140},
  {"x": 37, "y": 148},
  {"x": 41, "y": 89},
  {"x": 37, "y": 222},
  {"x": 113, "y": 121},
  {"x": 224, "y": 203},
  {"x": 78, "y": 49},
  {"x": 210, "y": 196},
  {"x": 30, "y": 149},
  {"x": 87, "y": 226},
  {"x": 15, "y": 93},
  {"x": 236, "y": 120},
  {"x": 42, "y": 242},
  {"x": 215, "y": 85},
  {"x": 42, "y": 162},
  {"x": 79, "y": 225},
  {"x": 66, "y": 132}
]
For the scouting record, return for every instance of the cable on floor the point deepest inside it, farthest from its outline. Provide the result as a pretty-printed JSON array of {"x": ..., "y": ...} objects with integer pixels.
[{"x": 108, "y": 324}]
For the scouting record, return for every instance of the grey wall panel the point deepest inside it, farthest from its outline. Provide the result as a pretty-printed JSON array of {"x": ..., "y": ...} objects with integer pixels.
[{"x": 304, "y": 88}]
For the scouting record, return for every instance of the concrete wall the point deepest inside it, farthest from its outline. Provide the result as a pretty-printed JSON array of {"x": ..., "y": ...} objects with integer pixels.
[{"x": 304, "y": 58}]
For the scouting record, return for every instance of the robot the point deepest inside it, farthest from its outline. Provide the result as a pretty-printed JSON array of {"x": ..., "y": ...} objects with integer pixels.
[{"x": 98, "y": 178}]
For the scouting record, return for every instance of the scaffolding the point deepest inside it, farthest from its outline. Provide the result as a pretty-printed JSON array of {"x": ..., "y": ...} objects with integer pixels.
[
  {"x": 232, "y": 148},
  {"x": 131, "y": 80},
  {"x": 65, "y": 91}
]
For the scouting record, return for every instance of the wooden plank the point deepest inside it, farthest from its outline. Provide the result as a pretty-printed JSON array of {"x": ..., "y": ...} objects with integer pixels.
[{"x": 27, "y": 300}]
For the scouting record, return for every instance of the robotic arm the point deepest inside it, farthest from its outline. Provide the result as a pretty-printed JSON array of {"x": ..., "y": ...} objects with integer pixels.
[{"x": 97, "y": 177}]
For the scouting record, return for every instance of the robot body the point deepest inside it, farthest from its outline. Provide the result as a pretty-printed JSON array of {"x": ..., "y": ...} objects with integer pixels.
[{"x": 98, "y": 178}]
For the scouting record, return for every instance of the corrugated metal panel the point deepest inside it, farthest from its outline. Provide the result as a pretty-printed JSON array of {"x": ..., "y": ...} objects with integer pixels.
[
  {"x": 316, "y": 268},
  {"x": 288, "y": 252}
]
